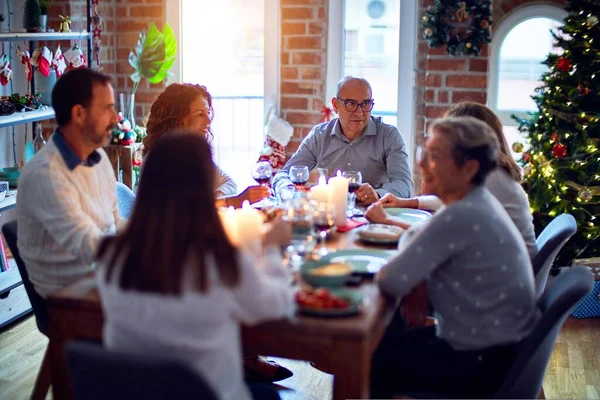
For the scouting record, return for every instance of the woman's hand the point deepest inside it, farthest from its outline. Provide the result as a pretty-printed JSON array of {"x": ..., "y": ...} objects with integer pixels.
[
  {"x": 254, "y": 194},
  {"x": 280, "y": 233},
  {"x": 376, "y": 214},
  {"x": 389, "y": 200}
]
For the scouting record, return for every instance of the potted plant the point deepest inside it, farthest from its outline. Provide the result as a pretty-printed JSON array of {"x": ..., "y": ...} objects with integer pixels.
[
  {"x": 152, "y": 58},
  {"x": 44, "y": 5},
  {"x": 31, "y": 16}
]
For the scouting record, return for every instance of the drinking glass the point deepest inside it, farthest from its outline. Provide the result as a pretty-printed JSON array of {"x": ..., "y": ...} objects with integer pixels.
[
  {"x": 262, "y": 172},
  {"x": 299, "y": 176},
  {"x": 354, "y": 181},
  {"x": 323, "y": 221},
  {"x": 299, "y": 213}
]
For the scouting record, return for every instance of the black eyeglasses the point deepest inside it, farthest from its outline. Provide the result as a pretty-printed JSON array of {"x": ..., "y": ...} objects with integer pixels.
[{"x": 351, "y": 105}]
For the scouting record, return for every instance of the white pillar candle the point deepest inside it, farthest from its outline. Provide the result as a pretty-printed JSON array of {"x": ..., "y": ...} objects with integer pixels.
[
  {"x": 320, "y": 192},
  {"x": 249, "y": 227},
  {"x": 339, "y": 197}
]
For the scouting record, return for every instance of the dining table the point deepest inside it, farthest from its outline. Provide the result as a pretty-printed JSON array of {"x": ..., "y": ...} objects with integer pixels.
[{"x": 342, "y": 346}]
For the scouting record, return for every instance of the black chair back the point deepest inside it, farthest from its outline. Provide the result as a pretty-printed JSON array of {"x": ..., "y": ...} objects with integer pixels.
[
  {"x": 549, "y": 243},
  {"x": 38, "y": 303},
  {"x": 97, "y": 373},
  {"x": 524, "y": 380}
]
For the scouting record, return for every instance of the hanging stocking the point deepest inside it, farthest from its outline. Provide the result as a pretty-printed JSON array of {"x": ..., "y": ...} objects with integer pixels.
[
  {"x": 44, "y": 61},
  {"x": 6, "y": 71},
  {"x": 26, "y": 61},
  {"x": 58, "y": 62},
  {"x": 276, "y": 155},
  {"x": 75, "y": 58}
]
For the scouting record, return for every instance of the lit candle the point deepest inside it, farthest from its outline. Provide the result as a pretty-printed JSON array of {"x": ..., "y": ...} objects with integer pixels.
[
  {"x": 320, "y": 192},
  {"x": 249, "y": 227},
  {"x": 338, "y": 189}
]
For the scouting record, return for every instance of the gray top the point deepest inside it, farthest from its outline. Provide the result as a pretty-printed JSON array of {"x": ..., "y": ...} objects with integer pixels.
[
  {"x": 479, "y": 275},
  {"x": 379, "y": 154}
]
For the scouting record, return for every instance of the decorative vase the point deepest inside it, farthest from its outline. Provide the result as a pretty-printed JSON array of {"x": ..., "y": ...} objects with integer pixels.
[
  {"x": 128, "y": 107},
  {"x": 43, "y": 22}
]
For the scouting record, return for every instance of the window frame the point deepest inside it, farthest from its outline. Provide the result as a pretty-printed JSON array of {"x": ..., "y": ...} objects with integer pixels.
[
  {"x": 499, "y": 35},
  {"x": 272, "y": 56},
  {"x": 407, "y": 66}
]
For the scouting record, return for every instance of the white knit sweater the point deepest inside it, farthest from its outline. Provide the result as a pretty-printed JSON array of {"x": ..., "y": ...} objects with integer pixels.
[{"x": 62, "y": 216}]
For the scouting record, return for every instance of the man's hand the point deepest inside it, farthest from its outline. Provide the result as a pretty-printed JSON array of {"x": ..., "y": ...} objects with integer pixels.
[
  {"x": 415, "y": 306},
  {"x": 366, "y": 194}
]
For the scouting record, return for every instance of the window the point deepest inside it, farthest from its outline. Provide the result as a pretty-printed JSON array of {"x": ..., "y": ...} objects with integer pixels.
[
  {"x": 238, "y": 62},
  {"x": 521, "y": 43},
  {"x": 365, "y": 39}
]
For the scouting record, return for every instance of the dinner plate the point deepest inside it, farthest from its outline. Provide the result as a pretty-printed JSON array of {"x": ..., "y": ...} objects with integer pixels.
[
  {"x": 410, "y": 215},
  {"x": 363, "y": 261},
  {"x": 355, "y": 303},
  {"x": 365, "y": 233}
]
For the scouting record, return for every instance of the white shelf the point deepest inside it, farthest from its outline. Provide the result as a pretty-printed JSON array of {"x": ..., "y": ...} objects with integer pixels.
[
  {"x": 27, "y": 36},
  {"x": 19, "y": 117}
]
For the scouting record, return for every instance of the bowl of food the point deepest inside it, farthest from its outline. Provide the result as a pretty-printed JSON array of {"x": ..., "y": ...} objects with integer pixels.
[
  {"x": 323, "y": 302},
  {"x": 325, "y": 273}
]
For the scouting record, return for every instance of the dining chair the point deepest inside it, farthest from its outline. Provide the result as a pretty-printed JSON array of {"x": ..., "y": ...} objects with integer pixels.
[
  {"x": 525, "y": 377},
  {"x": 98, "y": 373},
  {"x": 39, "y": 306},
  {"x": 549, "y": 243},
  {"x": 125, "y": 200}
]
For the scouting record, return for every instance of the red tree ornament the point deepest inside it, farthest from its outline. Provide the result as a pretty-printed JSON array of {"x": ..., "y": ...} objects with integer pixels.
[
  {"x": 564, "y": 64},
  {"x": 559, "y": 150},
  {"x": 555, "y": 137}
]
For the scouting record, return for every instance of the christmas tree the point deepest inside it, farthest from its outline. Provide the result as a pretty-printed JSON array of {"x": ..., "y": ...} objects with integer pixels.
[
  {"x": 561, "y": 165},
  {"x": 31, "y": 16}
]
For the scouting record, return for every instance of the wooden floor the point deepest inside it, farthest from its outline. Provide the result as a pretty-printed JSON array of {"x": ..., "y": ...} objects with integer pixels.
[{"x": 573, "y": 373}]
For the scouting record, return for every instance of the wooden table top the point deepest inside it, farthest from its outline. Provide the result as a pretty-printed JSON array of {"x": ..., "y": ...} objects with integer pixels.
[{"x": 83, "y": 296}]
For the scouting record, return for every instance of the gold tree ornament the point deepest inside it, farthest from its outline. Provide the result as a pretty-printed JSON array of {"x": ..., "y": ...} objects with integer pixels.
[
  {"x": 462, "y": 14},
  {"x": 428, "y": 32},
  {"x": 425, "y": 18},
  {"x": 528, "y": 169},
  {"x": 585, "y": 194},
  {"x": 517, "y": 147},
  {"x": 65, "y": 23},
  {"x": 591, "y": 21}
]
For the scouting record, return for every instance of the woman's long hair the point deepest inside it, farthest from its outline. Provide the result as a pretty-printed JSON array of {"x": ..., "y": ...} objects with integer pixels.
[
  {"x": 483, "y": 113},
  {"x": 174, "y": 222},
  {"x": 169, "y": 109}
]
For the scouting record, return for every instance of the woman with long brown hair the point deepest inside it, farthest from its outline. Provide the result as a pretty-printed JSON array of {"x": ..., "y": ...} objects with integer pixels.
[
  {"x": 504, "y": 182},
  {"x": 172, "y": 284},
  {"x": 189, "y": 107}
]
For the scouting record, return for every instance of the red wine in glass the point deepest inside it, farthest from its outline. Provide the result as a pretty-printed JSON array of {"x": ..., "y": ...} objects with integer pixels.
[
  {"x": 262, "y": 180},
  {"x": 353, "y": 187},
  {"x": 299, "y": 184}
]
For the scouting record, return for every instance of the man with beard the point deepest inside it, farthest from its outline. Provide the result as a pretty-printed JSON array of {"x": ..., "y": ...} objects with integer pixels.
[{"x": 67, "y": 200}]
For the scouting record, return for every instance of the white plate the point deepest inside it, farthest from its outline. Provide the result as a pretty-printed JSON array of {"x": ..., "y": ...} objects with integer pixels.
[
  {"x": 410, "y": 215},
  {"x": 364, "y": 235}
]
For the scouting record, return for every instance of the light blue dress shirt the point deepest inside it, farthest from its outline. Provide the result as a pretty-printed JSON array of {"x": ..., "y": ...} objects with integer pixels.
[{"x": 379, "y": 153}]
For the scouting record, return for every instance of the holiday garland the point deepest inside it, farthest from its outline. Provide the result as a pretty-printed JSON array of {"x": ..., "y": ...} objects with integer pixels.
[{"x": 439, "y": 30}]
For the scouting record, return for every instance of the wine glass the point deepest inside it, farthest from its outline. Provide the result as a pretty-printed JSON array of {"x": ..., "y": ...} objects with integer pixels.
[
  {"x": 299, "y": 176},
  {"x": 323, "y": 221},
  {"x": 262, "y": 172},
  {"x": 354, "y": 181}
]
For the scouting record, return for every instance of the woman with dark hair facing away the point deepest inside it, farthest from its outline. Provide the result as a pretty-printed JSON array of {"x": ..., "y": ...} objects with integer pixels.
[
  {"x": 475, "y": 270},
  {"x": 172, "y": 284},
  {"x": 504, "y": 182},
  {"x": 189, "y": 107}
]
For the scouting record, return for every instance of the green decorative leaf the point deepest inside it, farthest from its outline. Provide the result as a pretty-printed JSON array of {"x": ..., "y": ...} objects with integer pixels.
[{"x": 154, "y": 55}]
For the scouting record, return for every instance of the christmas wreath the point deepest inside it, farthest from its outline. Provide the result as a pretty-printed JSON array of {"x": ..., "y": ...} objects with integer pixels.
[{"x": 439, "y": 20}]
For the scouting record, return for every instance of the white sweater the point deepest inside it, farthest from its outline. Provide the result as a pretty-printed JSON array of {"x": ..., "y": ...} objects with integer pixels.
[
  {"x": 62, "y": 216},
  {"x": 199, "y": 329},
  {"x": 513, "y": 198}
]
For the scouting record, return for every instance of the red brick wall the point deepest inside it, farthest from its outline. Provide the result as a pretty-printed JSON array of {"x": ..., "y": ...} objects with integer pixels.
[
  {"x": 303, "y": 64},
  {"x": 443, "y": 80}
]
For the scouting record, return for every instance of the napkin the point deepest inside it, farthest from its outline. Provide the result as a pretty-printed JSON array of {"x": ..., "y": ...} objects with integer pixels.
[{"x": 351, "y": 224}]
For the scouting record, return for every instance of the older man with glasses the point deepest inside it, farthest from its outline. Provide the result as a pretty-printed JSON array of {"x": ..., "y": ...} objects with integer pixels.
[{"x": 355, "y": 141}]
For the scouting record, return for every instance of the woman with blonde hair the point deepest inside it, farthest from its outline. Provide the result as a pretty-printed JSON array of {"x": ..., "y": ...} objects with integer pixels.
[
  {"x": 189, "y": 107},
  {"x": 504, "y": 182}
]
